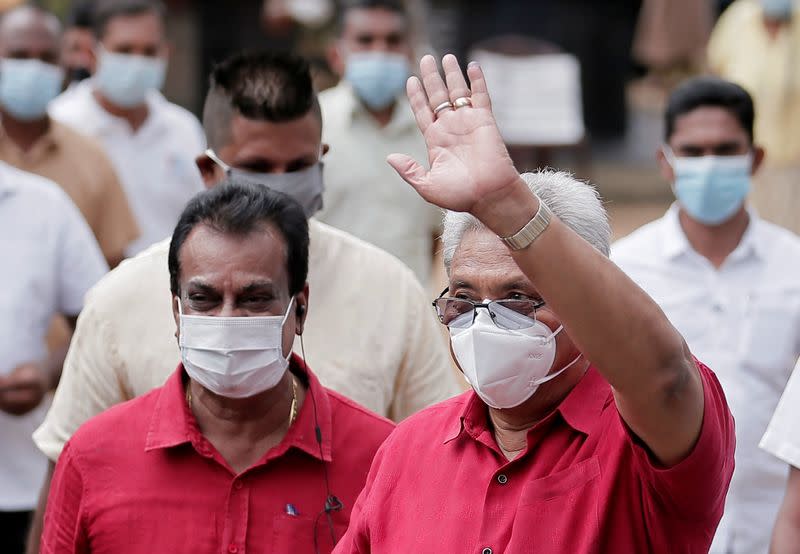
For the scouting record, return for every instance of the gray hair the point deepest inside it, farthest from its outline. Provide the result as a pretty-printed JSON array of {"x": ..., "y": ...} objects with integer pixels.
[{"x": 576, "y": 203}]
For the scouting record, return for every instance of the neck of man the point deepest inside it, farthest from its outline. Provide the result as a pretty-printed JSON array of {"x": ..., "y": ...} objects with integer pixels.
[
  {"x": 715, "y": 243},
  {"x": 511, "y": 425},
  {"x": 135, "y": 116},
  {"x": 24, "y": 133},
  {"x": 244, "y": 429},
  {"x": 383, "y": 116}
]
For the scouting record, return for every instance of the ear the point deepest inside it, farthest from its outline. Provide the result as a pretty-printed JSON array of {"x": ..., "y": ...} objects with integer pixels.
[
  {"x": 758, "y": 158},
  {"x": 301, "y": 310},
  {"x": 211, "y": 172},
  {"x": 93, "y": 59},
  {"x": 176, "y": 315},
  {"x": 663, "y": 167},
  {"x": 336, "y": 59}
]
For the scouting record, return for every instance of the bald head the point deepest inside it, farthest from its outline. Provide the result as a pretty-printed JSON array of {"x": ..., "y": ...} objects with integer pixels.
[{"x": 28, "y": 32}]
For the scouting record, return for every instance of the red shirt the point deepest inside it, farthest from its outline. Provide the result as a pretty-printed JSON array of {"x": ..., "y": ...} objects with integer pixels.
[
  {"x": 141, "y": 478},
  {"x": 584, "y": 484}
]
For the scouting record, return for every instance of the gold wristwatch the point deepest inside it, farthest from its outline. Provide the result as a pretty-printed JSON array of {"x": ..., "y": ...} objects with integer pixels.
[{"x": 535, "y": 227}]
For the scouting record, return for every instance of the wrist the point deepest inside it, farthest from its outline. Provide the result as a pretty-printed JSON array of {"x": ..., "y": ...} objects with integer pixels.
[{"x": 507, "y": 213}]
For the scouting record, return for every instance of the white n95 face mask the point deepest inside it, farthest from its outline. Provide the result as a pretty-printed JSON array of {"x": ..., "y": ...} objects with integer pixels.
[
  {"x": 505, "y": 367},
  {"x": 235, "y": 357}
]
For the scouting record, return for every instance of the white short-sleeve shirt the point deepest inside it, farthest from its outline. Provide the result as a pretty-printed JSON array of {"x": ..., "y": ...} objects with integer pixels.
[
  {"x": 155, "y": 163},
  {"x": 53, "y": 260},
  {"x": 743, "y": 321},
  {"x": 782, "y": 438}
]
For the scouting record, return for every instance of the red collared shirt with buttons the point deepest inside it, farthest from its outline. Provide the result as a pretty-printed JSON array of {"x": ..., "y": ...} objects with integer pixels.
[
  {"x": 141, "y": 478},
  {"x": 584, "y": 484}
]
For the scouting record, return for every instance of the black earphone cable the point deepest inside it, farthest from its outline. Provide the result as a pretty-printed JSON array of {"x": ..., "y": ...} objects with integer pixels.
[{"x": 332, "y": 503}]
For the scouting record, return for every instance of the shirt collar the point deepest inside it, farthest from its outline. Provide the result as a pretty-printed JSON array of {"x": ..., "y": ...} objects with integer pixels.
[
  {"x": 675, "y": 243},
  {"x": 172, "y": 423},
  {"x": 47, "y": 142},
  {"x": 7, "y": 186},
  {"x": 106, "y": 122},
  {"x": 580, "y": 409},
  {"x": 402, "y": 116}
]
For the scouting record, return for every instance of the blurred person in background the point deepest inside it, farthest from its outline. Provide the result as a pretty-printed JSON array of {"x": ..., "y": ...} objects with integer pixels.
[
  {"x": 77, "y": 43},
  {"x": 241, "y": 418},
  {"x": 365, "y": 118},
  {"x": 371, "y": 335},
  {"x": 728, "y": 282},
  {"x": 782, "y": 440},
  {"x": 151, "y": 142},
  {"x": 756, "y": 44},
  {"x": 30, "y": 78},
  {"x": 52, "y": 261}
]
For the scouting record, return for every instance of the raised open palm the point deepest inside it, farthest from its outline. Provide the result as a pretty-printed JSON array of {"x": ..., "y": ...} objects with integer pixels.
[{"x": 469, "y": 163}]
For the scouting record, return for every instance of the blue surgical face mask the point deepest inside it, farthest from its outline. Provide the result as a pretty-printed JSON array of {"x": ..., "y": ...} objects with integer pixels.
[
  {"x": 711, "y": 188},
  {"x": 28, "y": 86},
  {"x": 125, "y": 79},
  {"x": 378, "y": 78},
  {"x": 777, "y": 9}
]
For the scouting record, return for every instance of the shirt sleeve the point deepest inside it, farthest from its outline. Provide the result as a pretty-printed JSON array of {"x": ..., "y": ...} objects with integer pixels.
[
  {"x": 696, "y": 487},
  {"x": 89, "y": 384},
  {"x": 80, "y": 261},
  {"x": 116, "y": 227},
  {"x": 426, "y": 375},
  {"x": 782, "y": 438},
  {"x": 63, "y": 531}
]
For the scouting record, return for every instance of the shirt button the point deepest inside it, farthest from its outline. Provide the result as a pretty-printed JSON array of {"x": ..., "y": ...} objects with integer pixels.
[
  {"x": 486, "y": 550},
  {"x": 233, "y": 549},
  {"x": 502, "y": 479}
]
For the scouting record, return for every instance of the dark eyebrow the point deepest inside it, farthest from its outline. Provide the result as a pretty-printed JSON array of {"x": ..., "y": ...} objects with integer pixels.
[
  {"x": 260, "y": 286},
  {"x": 199, "y": 284}
]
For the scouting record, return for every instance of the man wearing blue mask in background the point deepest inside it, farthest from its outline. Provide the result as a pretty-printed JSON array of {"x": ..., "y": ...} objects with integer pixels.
[
  {"x": 30, "y": 140},
  {"x": 728, "y": 282},
  {"x": 151, "y": 141},
  {"x": 365, "y": 118}
]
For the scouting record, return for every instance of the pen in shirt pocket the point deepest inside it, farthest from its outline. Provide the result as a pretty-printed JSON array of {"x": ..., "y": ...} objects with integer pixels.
[{"x": 291, "y": 510}]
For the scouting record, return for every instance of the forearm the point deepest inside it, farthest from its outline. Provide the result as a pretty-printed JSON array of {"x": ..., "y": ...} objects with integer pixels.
[
  {"x": 786, "y": 535},
  {"x": 611, "y": 320}
]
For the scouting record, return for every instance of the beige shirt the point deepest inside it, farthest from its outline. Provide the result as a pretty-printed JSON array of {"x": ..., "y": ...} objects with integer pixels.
[
  {"x": 742, "y": 51},
  {"x": 371, "y": 335},
  {"x": 79, "y": 165},
  {"x": 363, "y": 194}
]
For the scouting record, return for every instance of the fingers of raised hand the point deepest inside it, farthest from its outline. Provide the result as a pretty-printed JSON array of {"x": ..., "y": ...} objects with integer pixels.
[
  {"x": 433, "y": 83},
  {"x": 480, "y": 94},
  {"x": 419, "y": 104},
  {"x": 456, "y": 84}
]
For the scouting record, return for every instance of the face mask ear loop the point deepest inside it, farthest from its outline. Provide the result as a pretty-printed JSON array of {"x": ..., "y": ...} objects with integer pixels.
[
  {"x": 552, "y": 376},
  {"x": 288, "y": 310},
  {"x": 214, "y": 158}
]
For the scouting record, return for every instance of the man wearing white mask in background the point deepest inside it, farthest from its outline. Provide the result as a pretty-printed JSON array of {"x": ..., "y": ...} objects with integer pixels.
[
  {"x": 151, "y": 141},
  {"x": 728, "y": 281},
  {"x": 365, "y": 118},
  {"x": 30, "y": 140}
]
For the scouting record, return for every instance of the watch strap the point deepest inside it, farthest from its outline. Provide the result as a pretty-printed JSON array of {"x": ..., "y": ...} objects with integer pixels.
[{"x": 535, "y": 227}]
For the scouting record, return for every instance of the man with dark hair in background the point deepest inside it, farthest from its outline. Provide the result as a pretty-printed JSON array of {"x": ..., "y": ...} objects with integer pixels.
[
  {"x": 365, "y": 118},
  {"x": 31, "y": 140},
  {"x": 727, "y": 280},
  {"x": 151, "y": 141},
  {"x": 77, "y": 43},
  {"x": 371, "y": 336},
  {"x": 242, "y": 418}
]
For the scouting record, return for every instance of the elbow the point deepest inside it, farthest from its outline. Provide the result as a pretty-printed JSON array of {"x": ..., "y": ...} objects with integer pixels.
[{"x": 677, "y": 370}]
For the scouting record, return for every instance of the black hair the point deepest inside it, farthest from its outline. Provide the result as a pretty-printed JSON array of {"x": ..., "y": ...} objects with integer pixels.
[
  {"x": 345, "y": 6},
  {"x": 105, "y": 10},
  {"x": 267, "y": 86},
  {"x": 700, "y": 92},
  {"x": 238, "y": 208},
  {"x": 80, "y": 15}
]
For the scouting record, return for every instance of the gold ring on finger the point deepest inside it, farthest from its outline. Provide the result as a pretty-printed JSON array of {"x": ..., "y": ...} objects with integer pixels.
[
  {"x": 441, "y": 107},
  {"x": 462, "y": 102}
]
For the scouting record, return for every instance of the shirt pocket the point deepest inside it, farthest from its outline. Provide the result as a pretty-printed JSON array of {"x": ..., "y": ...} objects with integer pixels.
[
  {"x": 559, "y": 512},
  {"x": 304, "y": 534},
  {"x": 771, "y": 339}
]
